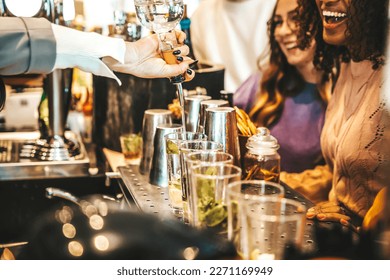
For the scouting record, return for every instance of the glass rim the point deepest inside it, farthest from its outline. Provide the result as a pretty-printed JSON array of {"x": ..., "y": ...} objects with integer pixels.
[
  {"x": 197, "y": 97},
  {"x": 195, "y": 162},
  {"x": 200, "y": 152},
  {"x": 130, "y": 134},
  {"x": 184, "y": 142},
  {"x": 238, "y": 171},
  {"x": 231, "y": 191},
  {"x": 143, "y": 1},
  {"x": 204, "y": 136}
]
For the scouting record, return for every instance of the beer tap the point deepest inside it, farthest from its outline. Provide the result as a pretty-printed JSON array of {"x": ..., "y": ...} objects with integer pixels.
[{"x": 55, "y": 146}]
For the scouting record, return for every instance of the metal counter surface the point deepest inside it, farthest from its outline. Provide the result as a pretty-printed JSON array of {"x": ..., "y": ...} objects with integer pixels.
[
  {"x": 14, "y": 168},
  {"x": 148, "y": 198},
  {"x": 154, "y": 199}
]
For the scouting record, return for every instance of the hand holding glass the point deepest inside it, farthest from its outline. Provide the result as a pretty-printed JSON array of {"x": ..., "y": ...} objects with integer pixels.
[{"x": 161, "y": 16}]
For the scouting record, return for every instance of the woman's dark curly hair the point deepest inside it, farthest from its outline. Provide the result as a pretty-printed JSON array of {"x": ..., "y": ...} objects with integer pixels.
[
  {"x": 365, "y": 36},
  {"x": 279, "y": 81}
]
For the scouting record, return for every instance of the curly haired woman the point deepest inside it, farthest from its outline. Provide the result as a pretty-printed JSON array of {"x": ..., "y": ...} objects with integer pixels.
[
  {"x": 353, "y": 139},
  {"x": 290, "y": 95}
]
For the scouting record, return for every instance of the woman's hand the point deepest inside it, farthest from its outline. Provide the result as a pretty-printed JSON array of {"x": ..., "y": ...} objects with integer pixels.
[
  {"x": 328, "y": 211},
  {"x": 143, "y": 59}
]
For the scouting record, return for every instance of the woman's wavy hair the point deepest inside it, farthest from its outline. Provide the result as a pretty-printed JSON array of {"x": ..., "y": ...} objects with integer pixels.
[
  {"x": 365, "y": 35},
  {"x": 279, "y": 81}
]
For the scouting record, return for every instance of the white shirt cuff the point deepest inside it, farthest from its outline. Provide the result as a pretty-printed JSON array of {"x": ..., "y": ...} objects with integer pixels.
[{"x": 83, "y": 50}]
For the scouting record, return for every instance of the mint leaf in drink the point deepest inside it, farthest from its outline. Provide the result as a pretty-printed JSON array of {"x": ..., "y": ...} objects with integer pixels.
[
  {"x": 210, "y": 212},
  {"x": 216, "y": 215},
  {"x": 172, "y": 147}
]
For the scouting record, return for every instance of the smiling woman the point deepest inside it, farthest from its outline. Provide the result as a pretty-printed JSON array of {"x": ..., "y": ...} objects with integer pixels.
[
  {"x": 351, "y": 29},
  {"x": 334, "y": 19},
  {"x": 353, "y": 141},
  {"x": 290, "y": 95}
]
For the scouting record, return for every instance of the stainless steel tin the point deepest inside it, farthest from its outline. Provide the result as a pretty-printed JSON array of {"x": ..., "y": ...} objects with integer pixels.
[
  {"x": 192, "y": 111},
  {"x": 221, "y": 126},
  {"x": 159, "y": 170},
  {"x": 212, "y": 103},
  {"x": 152, "y": 118}
]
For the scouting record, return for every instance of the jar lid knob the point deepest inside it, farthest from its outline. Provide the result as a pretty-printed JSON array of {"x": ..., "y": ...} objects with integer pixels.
[
  {"x": 262, "y": 131},
  {"x": 263, "y": 140}
]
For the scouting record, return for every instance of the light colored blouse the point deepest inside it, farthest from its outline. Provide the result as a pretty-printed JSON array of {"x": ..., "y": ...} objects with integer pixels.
[{"x": 353, "y": 137}]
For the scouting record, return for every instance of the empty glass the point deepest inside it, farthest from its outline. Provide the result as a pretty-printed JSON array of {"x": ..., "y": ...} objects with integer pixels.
[
  {"x": 272, "y": 224},
  {"x": 238, "y": 194}
]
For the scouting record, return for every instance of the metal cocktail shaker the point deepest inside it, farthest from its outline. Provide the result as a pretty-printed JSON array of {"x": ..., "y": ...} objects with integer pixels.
[
  {"x": 192, "y": 111},
  {"x": 152, "y": 118},
  {"x": 212, "y": 103},
  {"x": 159, "y": 171},
  {"x": 221, "y": 127}
]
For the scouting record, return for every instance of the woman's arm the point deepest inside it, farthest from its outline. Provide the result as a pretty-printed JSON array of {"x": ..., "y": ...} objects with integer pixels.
[{"x": 314, "y": 183}]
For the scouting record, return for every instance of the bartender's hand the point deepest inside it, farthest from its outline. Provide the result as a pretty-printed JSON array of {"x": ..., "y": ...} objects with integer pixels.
[
  {"x": 328, "y": 211},
  {"x": 143, "y": 59}
]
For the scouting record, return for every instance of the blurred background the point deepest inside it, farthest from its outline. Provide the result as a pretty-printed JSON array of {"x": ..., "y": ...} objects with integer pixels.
[{"x": 100, "y": 13}]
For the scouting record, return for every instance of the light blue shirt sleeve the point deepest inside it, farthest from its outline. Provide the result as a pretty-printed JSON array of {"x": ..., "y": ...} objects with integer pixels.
[{"x": 27, "y": 45}]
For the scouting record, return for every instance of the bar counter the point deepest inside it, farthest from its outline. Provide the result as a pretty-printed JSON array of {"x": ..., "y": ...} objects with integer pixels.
[
  {"x": 153, "y": 199},
  {"x": 23, "y": 201}
]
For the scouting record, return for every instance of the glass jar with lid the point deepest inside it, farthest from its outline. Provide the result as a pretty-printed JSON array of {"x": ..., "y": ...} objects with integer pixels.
[{"x": 262, "y": 161}]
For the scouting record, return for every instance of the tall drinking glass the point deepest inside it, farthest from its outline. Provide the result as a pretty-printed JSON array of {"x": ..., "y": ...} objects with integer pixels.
[
  {"x": 172, "y": 142},
  {"x": 239, "y": 194},
  {"x": 208, "y": 194},
  {"x": 203, "y": 156},
  {"x": 185, "y": 148},
  {"x": 272, "y": 224}
]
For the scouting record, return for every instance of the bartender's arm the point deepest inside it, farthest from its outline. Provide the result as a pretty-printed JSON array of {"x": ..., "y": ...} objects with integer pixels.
[{"x": 34, "y": 45}]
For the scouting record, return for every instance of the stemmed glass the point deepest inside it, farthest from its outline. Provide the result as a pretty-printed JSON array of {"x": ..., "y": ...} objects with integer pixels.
[{"x": 161, "y": 16}]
